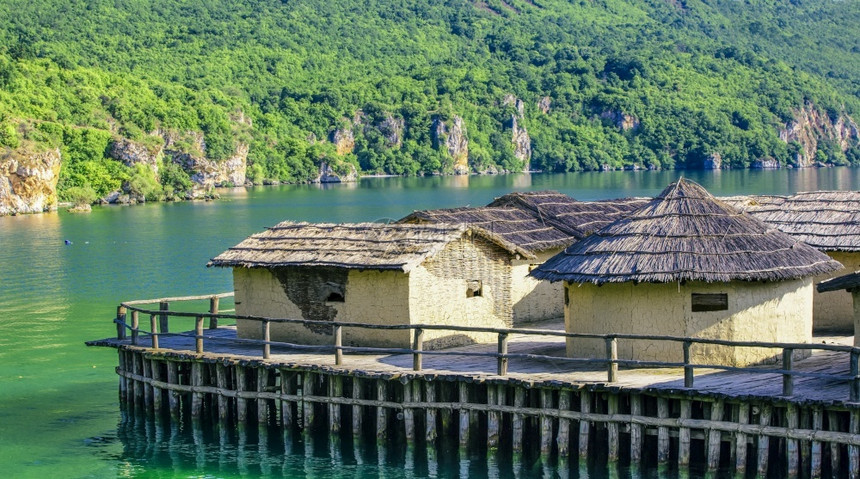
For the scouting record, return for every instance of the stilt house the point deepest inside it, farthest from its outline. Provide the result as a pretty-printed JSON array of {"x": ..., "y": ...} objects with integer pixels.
[
  {"x": 375, "y": 274},
  {"x": 687, "y": 265}
]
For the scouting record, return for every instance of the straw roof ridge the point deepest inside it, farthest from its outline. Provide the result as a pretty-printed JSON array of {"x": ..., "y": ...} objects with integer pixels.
[
  {"x": 357, "y": 245},
  {"x": 685, "y": 234}
]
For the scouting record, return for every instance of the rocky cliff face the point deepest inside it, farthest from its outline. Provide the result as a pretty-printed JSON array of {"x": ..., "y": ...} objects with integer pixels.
[
  {"x": 392, "y": 129},
  {"x": 621, "y": 120},
  {"x": 454, "y": 140},
  {"x": 811, "y": 125},
  {"x": 344, "y": 141},
  {"x": 131, "y": 153},
  {"x": 207, "y": 174},
  {"x": 328, "y": 175},
  {"x": 28, "y": 181},
  {"x": 519, "y": 136}
]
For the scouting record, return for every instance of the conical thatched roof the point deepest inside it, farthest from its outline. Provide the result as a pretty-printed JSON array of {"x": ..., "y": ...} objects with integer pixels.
[
  {"x": 685, "y": 234},
  {"x": 826, "y": 220},
  {"x": 359, "y": 246},
  {"x": 514, "y": 226},
  {"x": 576, "y": 218}
]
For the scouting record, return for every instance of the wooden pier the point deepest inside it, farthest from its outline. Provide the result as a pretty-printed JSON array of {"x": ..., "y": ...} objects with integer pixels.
[{"x": 797, "y": 417}]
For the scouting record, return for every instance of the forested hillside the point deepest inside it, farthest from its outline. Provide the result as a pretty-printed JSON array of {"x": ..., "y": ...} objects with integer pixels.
[{"x": 155, "y": 96}]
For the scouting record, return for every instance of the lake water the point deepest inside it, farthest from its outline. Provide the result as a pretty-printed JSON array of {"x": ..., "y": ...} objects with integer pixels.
[{"x": 59, "y": 413}]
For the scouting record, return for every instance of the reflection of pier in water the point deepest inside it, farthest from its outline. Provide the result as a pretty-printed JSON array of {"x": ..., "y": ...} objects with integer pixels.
[{"x": 465, "y": 408}]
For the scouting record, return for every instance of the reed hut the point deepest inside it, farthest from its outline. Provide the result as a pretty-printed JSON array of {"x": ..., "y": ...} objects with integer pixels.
[
  {"x": 849, "y": 283},
  {"x": 538, "y": 240},
  {"x": 687, "y": 265},
  {"x": 828, "y": 221},
  {"x": 375, "y": 274}
]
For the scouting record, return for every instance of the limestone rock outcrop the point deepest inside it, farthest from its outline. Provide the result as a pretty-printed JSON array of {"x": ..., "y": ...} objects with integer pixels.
[
  {"x": 714, "y": 161},
  {"x": 328, "y": 175},
  {"x": 344, "y": 141},
  {"x": 131, "y": 153},
  {"x": 522, "y": 143},
  {"x": 453, "y": 139},
  {"x": 621, "y": 120},
  {"x": 207, "y": 174},
  {"x": 811, "y": 125},
  {"x": 28, "y": 181}
]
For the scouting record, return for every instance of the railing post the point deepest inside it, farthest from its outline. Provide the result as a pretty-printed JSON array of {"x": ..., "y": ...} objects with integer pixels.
[
  {"x": 198, "y": 334},
  {"x": 135, "y": 327},
  {"x": 338, "y": 344},
  {"x": 417, "y": 347},
  {"x": 153, "y": 326},
  {"x": 612, "y": 356},
  {"x": 267, "y": 348},
  {"x": 213, "y": 309},
  {"x": 688, "y": 368},
  {"x": 503, "y": 353},
  {"x": 162, "y": 319},
  {"x": 787, "y": 377},
  {"x": 120, "y": 322},
  {"x": 855, "y": 373}
]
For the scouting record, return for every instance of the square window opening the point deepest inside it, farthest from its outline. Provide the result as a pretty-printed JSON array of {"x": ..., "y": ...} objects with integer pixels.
[
  {"x": 709, "y": 302},
  {"x": 474, "y": 288}
]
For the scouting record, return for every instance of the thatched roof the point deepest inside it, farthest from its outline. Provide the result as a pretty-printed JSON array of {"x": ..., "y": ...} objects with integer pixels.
[
  {"x": 847, "y": 282},
  {"x": 685, "y": 234},
  {"x": 827, "y": 220},
  {"x": 514, "y": 226},
  {"x": 576, "y": 218},
  {"x": 359, "y": 246}
]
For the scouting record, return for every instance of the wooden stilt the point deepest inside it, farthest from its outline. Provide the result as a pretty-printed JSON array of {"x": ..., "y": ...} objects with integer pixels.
[
  {"x": 492, "y": 418},
  {"x": 173, "y": 395},
  {"x": 662, "y": 432},
  {"x": 196, "y": 397},
  {"x": 356, "y": 410},
  {"x": 409, "y": 413},
  {"x": 791, "y": 446},
  {"x": 635, "y": 430},
  {"x": 263, "y": 377},
  {"x": 147, "y": 388},
  {"x": 336, "y": 391},
  {"x": 563, "y": 438},
  {"x": 815, "y": 448},
  {"x": 241, "y": 386},
  {"x": 854, "y": 451},
  {"x": 612, "y": 428},
  {"x": 517, "y": 420},
  {"x": 546, "y": 422},
  {"x": 308, "y": 389},
  {"x": 763, "y": 441},
  {"x": 138, "y": 386},
  {"x": 464, "y": 414},
  {"x": 157, "y": 392},
  {"x": 584, "y": 407},
  {"x": 741, "y": 439},
  {"x": 835, "y": 449},
  {"x": 222, "y": 381},
  {"x": 684, "y": 435},
  {"x": 288, "y": 408},
  {"x": 123, "y": 382},
  {"x": 381, "y": 412},
  {"x": 805, "y": 446},
  {"x": 714, "y": 436}
]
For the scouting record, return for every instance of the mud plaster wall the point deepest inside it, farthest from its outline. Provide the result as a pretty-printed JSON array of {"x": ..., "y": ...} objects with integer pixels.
[
  {"x": 535, "y": 300},
  {"x": 371, "y": 297},
  {"x": 437, "y": 291},
  {"x": 775, "y": 312},
  {"x": 834, "y": 310}
]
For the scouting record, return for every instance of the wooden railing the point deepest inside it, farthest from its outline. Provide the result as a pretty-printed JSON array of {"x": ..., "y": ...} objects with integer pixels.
[{"x": 159, "y": 326}]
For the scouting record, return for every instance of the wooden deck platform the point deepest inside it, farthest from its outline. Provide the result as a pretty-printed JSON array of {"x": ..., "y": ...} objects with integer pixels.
[{"x": 221, "y": 344}]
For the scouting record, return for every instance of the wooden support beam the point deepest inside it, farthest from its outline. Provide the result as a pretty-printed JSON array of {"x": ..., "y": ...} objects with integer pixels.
[
  {"x": 263, "y": 379},
  {"x": 222, "y": 381},
  {"x": 157, "y": 392},
  {"x": 163, "y": 317},
  {"x": 137, "y": 365},
  {"x": 240, "y": 374},
  {"x": 502, "y": 366},
  {"x": 714, "y": 436},
  {"x": 787, "y": 378},
  {"x": 123, "y": 381},
  {"x": 335, "y": 391},
  {"x": 741, "y": 439},
  {"x": 854, "y": 451},
  {"x": 662, "y": 432},
  {"x": 196, "y": 397},
  {"x": 584, "y": 407},
  {"x": 120, "y": 322},
  {"x": 562, "y": 440},
  {"x": 835, "y": 450},
  {"x": 815, "y": 448},
  {"x": 763, "y": 440},
  {"x": 198, "y": 334},
  {"x": 213, "y": 309},
  {"x": 135, "y": 327},
  {"x": 381, "y": 411},
  {"x": 791, "y": 451},
  {"x": 612, "y": 356},
  {"x": 492, "y": 418},
  {"x": 612, "y": 428},
  {"x": 308, "y": 389},
  {"x": 173, "y": 395},
  {"x": 409, "y": 414},
  {"x": 356, "y": 410},
  {"x": 546, "y": 404},
  {"x": 635, "y": 430},
  {"x": 684, "y": 435},
  {"x": 463, "y": 432},
  {"x": 147, "y": 388},
  {"x": 517, "y": 419},
  {"x": 417, "y": 347}
]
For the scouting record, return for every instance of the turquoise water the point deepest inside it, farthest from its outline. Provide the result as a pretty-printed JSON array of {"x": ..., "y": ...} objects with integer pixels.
[{"x": 59, "y": 414}]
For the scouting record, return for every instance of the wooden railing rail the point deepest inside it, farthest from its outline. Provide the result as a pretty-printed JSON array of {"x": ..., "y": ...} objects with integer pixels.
[{"x": 159, "y": 326}]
